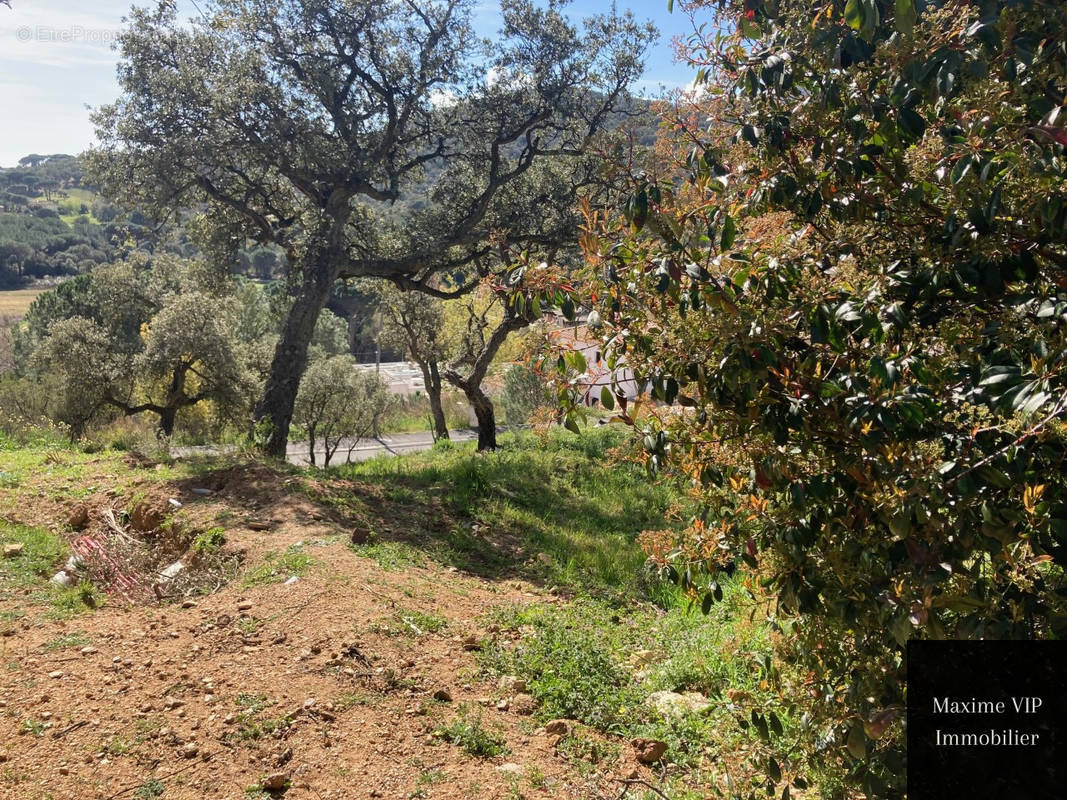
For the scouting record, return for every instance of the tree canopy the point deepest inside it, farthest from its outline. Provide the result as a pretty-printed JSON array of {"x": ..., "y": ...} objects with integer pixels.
[
  {"x": 306, "y": 123},
  {"x": 138, "y": 339}
]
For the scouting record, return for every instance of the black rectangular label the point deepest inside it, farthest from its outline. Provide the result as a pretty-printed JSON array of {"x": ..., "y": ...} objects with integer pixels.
[{"x": 986, "y": 720}]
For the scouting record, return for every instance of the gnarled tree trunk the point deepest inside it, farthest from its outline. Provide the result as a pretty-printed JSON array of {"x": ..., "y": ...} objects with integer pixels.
[
  {"x": 431, "y": 378},
  {"x": 471, "y": 384},
  {"x": 289, "y": 363},
  {"x": 319, "y": 269},
  {"x": 486, "y": 416}
]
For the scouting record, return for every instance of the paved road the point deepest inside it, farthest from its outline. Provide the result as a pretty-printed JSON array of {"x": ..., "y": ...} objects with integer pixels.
[{"x": 361, "y": 449}]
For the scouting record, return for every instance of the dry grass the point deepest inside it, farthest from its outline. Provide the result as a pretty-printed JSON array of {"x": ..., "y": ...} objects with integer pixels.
[{"x": 15, "y": 303}]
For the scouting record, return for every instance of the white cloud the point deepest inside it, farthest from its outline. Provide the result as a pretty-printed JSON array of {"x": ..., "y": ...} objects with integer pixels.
[
  {"x": 442, "y": 98},
  {"x": 509, "y": 79},
  {"x": 60, "y": 34}
]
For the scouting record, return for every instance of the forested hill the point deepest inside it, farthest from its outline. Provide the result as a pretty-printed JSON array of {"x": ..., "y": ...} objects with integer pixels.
[
  {"x": 54, "y": 225},
  {"x": 51, "y": 223}
]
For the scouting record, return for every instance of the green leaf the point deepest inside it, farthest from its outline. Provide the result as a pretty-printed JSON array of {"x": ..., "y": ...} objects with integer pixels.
[
  {"x": 774, "y": 771},
  {"x": 729, "y": 233},
  {"x": 871, "y": 19},
  {"x": 905, "y": 16},
  {"x": 776, "y": 724},
  {"x": 607, "y": 399},
  {"x": 912, "y": 123},
  {"x": 854, "y": 14},
  {"x": 1033, "y": 403},
  {"x": 857, "y": 742},
  {"x": 961, "y": 168},
  {"x": 640, "y": 207},
  {"x": 761, "y": 726},
  {"x": 571, "y": 424}
]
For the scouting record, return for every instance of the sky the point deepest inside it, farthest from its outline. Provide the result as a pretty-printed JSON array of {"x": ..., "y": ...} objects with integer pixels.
[{"x": 57, "y": 61}]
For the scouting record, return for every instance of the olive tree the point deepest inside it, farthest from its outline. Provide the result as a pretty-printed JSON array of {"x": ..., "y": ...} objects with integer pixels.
[
  {"x": 415, "y": 323},
  {"x": 313, "y": 124},
  {"x": 145, "y": 337},
  {"x": 337, "y": 402},
  {"x": 489, "y": 318}
]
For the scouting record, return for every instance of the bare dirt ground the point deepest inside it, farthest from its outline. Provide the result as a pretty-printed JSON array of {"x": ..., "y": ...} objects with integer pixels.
[{"x": 331, "y": 685}]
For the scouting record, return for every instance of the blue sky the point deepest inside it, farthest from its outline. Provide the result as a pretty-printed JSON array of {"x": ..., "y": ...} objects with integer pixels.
[{"x": 56, "y": 59}]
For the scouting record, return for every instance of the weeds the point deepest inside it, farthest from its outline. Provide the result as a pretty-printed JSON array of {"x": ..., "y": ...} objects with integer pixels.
[
  {"x": 577, "y": 660},
  {"x": 67, "y": 601},
  {"x": 468, "y": 732},
  {"x": 391, "y": 556},
  {"x": 418, "y": 623},
  {"x": 34, "y": 727},
  {"x": 149, "y": 790},
  {"x": 567, "y": 499},
  {"x": 250, "y": 726},
  {"x": 209, "y": 542},
  {"x": 41, "y": 551},
  {"x": 67, "y": 640},
  {"x": 277, "y": 567},
  {"x": 568, "y": 665}
]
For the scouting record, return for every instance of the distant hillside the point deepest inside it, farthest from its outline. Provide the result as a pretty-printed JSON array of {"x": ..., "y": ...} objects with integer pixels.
[{"x": 51, "y": 223}]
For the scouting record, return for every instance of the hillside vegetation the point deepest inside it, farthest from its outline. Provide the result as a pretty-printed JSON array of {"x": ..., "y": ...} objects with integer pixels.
[{"x": 438, "y": 625}]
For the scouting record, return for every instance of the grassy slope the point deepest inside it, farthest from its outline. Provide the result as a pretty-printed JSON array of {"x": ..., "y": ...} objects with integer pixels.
[{"x": 561, "y": 512}]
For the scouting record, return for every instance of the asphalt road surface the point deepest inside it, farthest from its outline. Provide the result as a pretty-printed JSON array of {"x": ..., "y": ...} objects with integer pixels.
[{"x": 392, "y": 444}]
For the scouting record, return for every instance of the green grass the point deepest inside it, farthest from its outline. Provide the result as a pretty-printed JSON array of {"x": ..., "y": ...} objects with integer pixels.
[
  {"x": 149, "y": 790},
  {"x": 42, "y": 553},
  {"x": 391, "y": 556},
  {"x": 250, "y": 724},
  {"x": 69, "y": 207},
  {"x": 66, "y": 641},
  {"x": 468, "y": 732},
  {"x": 68, "y": 601},
  {"x": 42, "y": 550},
  {"x": 33, "y": 727},
  {"x": 277, "y": 567},
  {"x": 417, "y": 623},
  {"x": 560, "y": 511},
  {"x": 413, "y": 414},
  {"x": 578, "y": 661}
]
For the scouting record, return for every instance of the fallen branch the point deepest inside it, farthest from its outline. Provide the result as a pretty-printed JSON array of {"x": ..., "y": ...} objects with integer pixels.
[
  {"x": 68, "y": 729},
  {"x": 628, "y": 782}
]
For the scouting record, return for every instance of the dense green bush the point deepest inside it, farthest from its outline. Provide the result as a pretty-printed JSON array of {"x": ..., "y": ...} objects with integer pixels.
[
  {"x": 524, "y": 390},
  {"x": 338, "y": 404},
  {"x": 846, "y": 265}
]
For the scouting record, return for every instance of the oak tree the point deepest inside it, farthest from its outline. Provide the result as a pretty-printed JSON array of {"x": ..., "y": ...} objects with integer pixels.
[{"x": 314, "y": 124}]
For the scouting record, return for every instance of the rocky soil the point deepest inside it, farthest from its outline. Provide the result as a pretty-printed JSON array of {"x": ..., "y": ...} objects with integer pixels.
[{"x": 323, "y": 684}]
